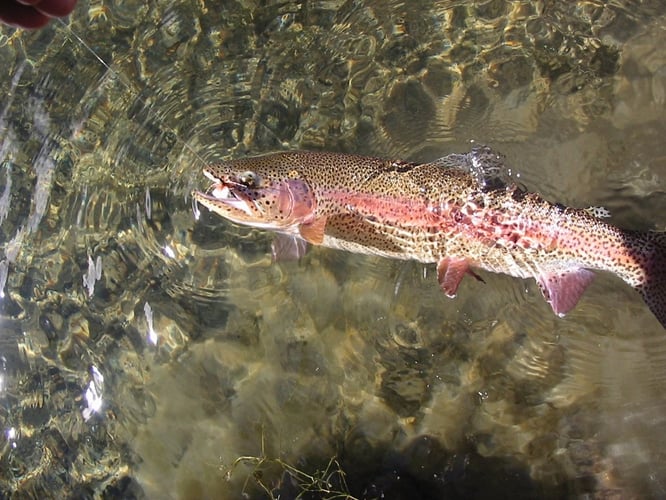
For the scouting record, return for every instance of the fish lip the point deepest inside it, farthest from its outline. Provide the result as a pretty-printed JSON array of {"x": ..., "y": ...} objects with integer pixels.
[{"x": 210, "y": 176}]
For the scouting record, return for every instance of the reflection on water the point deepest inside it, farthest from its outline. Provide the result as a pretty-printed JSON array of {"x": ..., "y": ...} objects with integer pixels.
[{"x": 144, "y": 353}]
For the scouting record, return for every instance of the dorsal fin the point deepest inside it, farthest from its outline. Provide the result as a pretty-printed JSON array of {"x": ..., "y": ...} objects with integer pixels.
[
  {"x": 598, "y": 212},
  {"x": 485, "y": 165},
  {"x": 288, "y": 247}
]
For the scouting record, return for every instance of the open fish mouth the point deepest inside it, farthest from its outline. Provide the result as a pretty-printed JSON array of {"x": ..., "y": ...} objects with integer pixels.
[{"x": 223, "y": 198}]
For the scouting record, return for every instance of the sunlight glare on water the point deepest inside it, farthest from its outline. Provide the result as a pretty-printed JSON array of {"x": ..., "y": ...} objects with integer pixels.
[{"x": 150, "y": 350}]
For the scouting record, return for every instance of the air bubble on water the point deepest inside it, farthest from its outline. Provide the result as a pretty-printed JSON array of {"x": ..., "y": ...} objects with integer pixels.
[
  {"x": 94, "y": 274},
  {"x": 149, "y": 208},
  {"x": 93, "y": 394},
  {"x": 4, "y": 271},
  {"x": 82, "y": 208},
  {"x": 138, "y": 214},
  {"x": 168, "y": 251},
  {"x": 12, "y": 436},
  {"x": 44, "y": 168},
  {"x": 195, "y": 209},
  {"x": 5, "y": 197},
  {"x": 152, "y": 334}
]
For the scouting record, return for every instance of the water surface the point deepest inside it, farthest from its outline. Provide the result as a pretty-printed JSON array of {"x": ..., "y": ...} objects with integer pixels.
[{"x": 146, "y": 354}]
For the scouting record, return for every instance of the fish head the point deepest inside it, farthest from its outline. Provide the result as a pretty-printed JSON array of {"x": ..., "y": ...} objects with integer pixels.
[{"x": 258, "y": 194}]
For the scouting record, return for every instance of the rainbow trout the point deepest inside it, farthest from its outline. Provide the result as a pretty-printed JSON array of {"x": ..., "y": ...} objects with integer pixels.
[{"x": 461, "y": 212}]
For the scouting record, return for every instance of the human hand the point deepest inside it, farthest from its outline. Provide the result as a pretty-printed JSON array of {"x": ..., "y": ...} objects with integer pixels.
[{"x": 33, "y": 14}]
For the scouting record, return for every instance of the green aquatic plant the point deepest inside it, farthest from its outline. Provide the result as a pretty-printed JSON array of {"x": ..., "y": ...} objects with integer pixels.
[{"x": 328, "y": 482}]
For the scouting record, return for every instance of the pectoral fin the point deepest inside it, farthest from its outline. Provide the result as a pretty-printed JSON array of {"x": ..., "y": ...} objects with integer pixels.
[
  {"x": 450, "y": 273},
  {"x": 313, "y": 232},
  {"x": 288, "y": 247},
  {"x": 563, "y": 290}
]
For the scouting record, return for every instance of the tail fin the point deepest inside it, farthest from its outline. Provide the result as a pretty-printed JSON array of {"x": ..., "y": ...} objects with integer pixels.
[{"x": 653, "y": 289}]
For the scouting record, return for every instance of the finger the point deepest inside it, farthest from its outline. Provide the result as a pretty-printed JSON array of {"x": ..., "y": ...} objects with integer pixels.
[
  {"x": 22, "y": 16},
  {"x": 55, "y": 8}
]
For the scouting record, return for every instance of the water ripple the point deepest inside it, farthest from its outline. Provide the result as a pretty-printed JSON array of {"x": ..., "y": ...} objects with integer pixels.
[{"x": 131, "y": 324}]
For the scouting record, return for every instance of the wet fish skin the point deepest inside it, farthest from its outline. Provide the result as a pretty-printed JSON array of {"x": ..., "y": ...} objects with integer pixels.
[{"x": 460, "y": 212}]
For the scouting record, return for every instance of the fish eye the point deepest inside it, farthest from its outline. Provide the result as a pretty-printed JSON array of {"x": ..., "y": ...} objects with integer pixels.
[{"x": 249, "y": 179}]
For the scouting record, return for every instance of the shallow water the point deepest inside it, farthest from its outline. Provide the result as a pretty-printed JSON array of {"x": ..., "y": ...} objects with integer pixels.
[{"x": 144, "y": 353}]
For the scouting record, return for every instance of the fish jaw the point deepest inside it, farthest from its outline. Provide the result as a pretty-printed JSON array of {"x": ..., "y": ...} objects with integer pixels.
[
  {"x": 280, "y": 205},
  {"x": 235, "y": 209}
]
